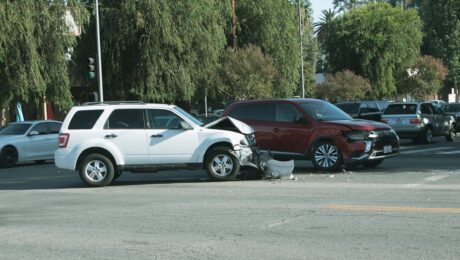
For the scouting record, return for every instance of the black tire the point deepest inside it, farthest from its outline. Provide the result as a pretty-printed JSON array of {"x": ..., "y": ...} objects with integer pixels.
[
  {"x": 96, "y": 170},
  {"x": 427, "y": 137},
  {"x": 450, "y": 137},
  {"x": 8, "y": 157},
  {"x": 326, "y": 156},
  {"x": 39, "y": 161},
  {"x": 372, "y": 163},
  {"x": 117, "y": 175},
  {"x": 221, "y": 164}
]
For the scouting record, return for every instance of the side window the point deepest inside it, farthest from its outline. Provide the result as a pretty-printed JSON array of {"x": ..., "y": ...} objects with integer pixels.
[
  {"x": 126, "y": 119},
  {"x": 426, "y": 109},
  {"x": 41, "y": 128},
  {"x": 364, "y": 108},
  {"x": 373, "y": 108},
  {"x": 286, "y": 113},
  {"x": 54, "y": 127},
  {"x": 240, "y": 112},
  {"x": 84, "y": 119},
  {"x": 263, "y": 112},
  {"x": 164, "y": 119}
]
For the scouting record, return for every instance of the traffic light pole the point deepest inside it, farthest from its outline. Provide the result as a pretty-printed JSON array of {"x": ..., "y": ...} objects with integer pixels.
[{"x": 99, "y": 64}]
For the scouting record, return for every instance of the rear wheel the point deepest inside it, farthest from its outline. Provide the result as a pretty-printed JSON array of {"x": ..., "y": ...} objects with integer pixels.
[
  {"x": 450, "y": 137},
  {"x": 221, "y": 164},
  {"x": 427, "y": 137},
  {"x": 372, "y": 163},
  {"x": 8, "y": 157},
  {"x": 326, "y": 156},
  {"x": 97, "y": 170}
]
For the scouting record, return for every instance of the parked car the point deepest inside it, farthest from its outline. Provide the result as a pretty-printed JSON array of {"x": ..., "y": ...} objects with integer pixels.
[
  {"x": 419, "y": 121},
  {"x": 101, "y": 140},
  {"x": 438, "y": 103},
  {"x": 316, "y": 130},
  {"x": 370, "y": 110},
  {"x": 453, "y": 109},
  {"x": 28, "y": 141}
]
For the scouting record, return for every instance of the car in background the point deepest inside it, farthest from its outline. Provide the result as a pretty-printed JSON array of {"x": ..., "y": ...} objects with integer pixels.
[
  {"x": 316, "y": 130},
  {"x": 438, "y": 103},
  {"x": 453, "y": 109},
  {"x": 370, "y": 110},
  {"x": 28, "y": 141},
  {"x": 419, "y": 121}
]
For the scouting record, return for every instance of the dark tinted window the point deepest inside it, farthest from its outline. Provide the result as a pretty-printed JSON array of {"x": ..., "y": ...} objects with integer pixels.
[
  {"x": 54, "y": 127},
  {"x": 350, "y": 108},
  {"x": 452, "y": 108},
  {"x": 426, "y": 109},
  {"x": 240, "y": 112},
  {"x": 15, "y": 129},
  {"x": 84, "y": 119},
  {"x": 263, "y": 112},
  {"x": 400, "y": 109},
  {"x": 164, "y": 119},
  {"x": 126, "y": 119},
  {"x": 372, "y": 107},
  {"x": 286, "y": 113},
  {"x": 324, "y": 111},
  {"x": 41, "y": 128}
]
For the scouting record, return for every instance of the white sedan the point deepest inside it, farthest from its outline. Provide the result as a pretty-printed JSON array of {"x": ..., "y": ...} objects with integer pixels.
[{"x": 28, "y": 141}]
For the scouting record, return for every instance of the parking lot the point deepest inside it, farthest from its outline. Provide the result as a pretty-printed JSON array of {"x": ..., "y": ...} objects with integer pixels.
[{"x": 408, "y": 208}]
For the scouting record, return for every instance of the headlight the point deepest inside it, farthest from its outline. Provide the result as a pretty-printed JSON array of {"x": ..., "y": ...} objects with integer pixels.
[{"x": 356, "y": 135}]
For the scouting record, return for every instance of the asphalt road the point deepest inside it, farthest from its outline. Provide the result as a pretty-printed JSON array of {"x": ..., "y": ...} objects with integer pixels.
[{"x": 409, "y": 208}]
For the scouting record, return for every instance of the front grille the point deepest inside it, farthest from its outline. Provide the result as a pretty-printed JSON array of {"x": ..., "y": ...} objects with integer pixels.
[{"x": 385, "y": 137}]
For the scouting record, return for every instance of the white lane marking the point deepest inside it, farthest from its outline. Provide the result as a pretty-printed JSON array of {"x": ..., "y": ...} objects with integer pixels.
[
  {"x": 406, "y": 147},
  {"x": 435, "y": 178},
  {"x": 451, "y": 152},
  {"x": 425, "y": 150},
  {"x": 410, "y": 185}
]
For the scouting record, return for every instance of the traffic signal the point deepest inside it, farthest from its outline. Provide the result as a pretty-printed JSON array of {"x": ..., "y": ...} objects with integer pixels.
[{"x": 91, "y": 68}]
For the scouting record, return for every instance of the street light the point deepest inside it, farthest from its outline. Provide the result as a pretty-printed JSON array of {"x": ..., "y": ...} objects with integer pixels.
[
  {"x": 99, "y": 63},
  {"x": 301, "y": 52}
]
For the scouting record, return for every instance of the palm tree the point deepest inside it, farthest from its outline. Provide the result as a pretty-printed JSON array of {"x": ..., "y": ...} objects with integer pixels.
[{"x": 323, "y": 27}]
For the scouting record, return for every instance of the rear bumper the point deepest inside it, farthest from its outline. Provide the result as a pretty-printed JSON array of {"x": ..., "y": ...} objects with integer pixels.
[
  {"x": 65, "y": 159},
  {"x": 407, "y": 134}
]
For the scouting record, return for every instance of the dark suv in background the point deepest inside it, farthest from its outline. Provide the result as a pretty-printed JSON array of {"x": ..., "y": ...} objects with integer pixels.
[
  {"x": 370, "y": 110},
  {"x": 316, "y": 130}
]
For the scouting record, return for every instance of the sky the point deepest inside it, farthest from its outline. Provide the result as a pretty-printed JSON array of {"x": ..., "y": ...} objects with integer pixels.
[{"x": 318, "y": 6}]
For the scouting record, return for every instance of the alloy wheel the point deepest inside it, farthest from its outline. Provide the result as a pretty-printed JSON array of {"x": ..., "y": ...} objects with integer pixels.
[
  {"x": 96, "y": 170},
  {"x": 222, "y": 165},
  {"x": 326, "y": 155}
]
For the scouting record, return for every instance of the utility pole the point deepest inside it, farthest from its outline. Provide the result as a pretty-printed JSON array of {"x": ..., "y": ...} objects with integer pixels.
[
  {"x": 234, "y": 43},
  {"x": 99, "y": 64},
  {"x": 301, "y": 52}
]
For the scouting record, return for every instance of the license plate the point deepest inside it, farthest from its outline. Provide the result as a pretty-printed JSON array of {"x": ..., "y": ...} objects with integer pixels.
[{"x": 387, "y": 149}]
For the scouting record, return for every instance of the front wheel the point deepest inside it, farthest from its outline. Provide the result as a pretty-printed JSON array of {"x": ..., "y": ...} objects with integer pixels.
[
  {"x": 372, "y": 163},
  {"x": 326, "y": 156},
  {"x": 221, "y": 164},
  {"x": 427, "y": 137},
  {"x": 97, "y": 170},
  {"x": 450, "y": 137}
]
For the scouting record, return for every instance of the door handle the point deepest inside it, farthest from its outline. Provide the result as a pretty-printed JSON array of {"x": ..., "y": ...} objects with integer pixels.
[
  {"x": 276, "y": 129},
  {"x": 110, "y": 136},
  {"x": 156, "y": 136}
]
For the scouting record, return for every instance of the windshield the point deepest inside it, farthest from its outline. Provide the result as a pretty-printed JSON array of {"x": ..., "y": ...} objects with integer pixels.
[
  {"x": 452, "y": 108},
  {"x": 324, "y": 111},
  {"x": 15, "y": 129},
  {"x": 349, "y": 108},
  {"x": 188, "y": 116},
  {"x": 401, "y": 109}
]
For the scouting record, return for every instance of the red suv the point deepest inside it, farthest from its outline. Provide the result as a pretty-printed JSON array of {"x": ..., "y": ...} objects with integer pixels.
[{"x": 316, "y": 130}]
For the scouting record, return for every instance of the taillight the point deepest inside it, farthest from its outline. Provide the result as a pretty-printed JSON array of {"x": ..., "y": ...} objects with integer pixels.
[
  {"x": 63, "y": 140},
  {"x": 415, "y": 121}
]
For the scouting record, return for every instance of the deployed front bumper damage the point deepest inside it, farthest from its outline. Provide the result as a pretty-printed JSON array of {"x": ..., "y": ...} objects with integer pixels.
[{"x": 248, "y": 155}]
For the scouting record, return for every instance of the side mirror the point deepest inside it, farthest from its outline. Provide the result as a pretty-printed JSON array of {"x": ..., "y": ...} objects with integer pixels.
[
  {"x": 301, "y": 120},
  {"x": 33, "y": 133}
]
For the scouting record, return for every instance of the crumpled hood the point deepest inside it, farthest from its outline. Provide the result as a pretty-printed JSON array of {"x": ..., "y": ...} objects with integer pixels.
[
  {"x": 230, "y": 124},
  {"x": 361, "y": 125}
]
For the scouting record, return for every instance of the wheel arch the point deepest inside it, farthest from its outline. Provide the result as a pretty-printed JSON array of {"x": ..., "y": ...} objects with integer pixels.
[
  {"x": 97, "y": 150},
  {"x": 211, "y": 147}
]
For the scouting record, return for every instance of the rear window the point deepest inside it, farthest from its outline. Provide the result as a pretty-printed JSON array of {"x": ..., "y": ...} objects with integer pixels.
[
  {"x": 349, "y": 108},
  {"x": 84, "y": 119},
  {"x": 452, "y": 108},
  {"x": 401, "y": 109}
]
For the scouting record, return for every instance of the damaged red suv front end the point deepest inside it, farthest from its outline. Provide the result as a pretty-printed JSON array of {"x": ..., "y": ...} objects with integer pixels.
[{"x": 316, "y": 130}]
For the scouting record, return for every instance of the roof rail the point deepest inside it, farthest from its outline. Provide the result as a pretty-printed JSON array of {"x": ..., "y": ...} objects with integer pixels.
[{"x": 112, "y": 103}]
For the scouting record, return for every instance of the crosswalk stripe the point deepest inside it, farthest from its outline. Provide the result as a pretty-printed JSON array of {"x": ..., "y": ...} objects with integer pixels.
[{"x": 425, "y": 150}]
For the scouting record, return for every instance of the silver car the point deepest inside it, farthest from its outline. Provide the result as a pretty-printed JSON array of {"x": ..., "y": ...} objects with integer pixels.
[
  {"x": 419, "y": 121},
  {"x": 28, "y": 141}
]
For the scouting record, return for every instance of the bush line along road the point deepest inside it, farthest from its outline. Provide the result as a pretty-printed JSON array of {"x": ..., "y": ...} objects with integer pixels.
[{"x": 408, "y": 208}]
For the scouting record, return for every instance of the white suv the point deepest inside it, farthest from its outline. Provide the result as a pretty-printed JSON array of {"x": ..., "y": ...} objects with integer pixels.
[{"x": 100, "y": 140}]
